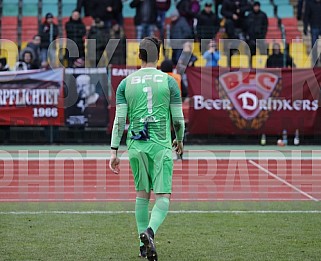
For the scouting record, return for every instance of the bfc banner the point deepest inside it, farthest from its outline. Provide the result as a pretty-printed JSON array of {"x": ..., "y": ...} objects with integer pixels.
[
  {"x": 32, "y": 98},
  {"x": 246, "y": 102}
]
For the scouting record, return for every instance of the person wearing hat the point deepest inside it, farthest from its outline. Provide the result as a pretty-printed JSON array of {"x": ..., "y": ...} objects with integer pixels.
[
  {"x": 208, "y": 25},
  {"x": 257, "y": 29},
  {"x": 48, "y": 31}
]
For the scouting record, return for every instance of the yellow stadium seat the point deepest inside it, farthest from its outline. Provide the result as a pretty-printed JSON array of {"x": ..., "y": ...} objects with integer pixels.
[
  {"x": 10, "y": 51},
  {"x": 240, "y": 61},
  {"x": 259, "y": 61},
  {"x": 132, "y": 53},
  {"x": 223, "y": 61},
  {"x": 301, "y": 60}
]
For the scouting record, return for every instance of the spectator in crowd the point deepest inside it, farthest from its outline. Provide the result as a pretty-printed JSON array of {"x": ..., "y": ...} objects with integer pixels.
[
  {"x": 86, "y": 4},
  {"x": 118, "y": 12},
  {"x": 34, "y": 45},
  {"x": 119, "y": 55},
  {"x": 312, "y": 18},
  {"x": 48, "y": 32},
  {"x": 278, "y": 59},
  {"x": 257, "y": 28},
  {"x": 300, "y": 9},
  {"x": 145, "y": 17},
  {"x": 76, "y": 31},
  {"x": 167, "y": 67},
  {"x": 179, "y": 32},
  {"x": 26, "y": 61},
  {"x": 103, "y": 9},
  {"x": 235, "y": 20},
  {"x": 162, "y": 7},
  {"x": 208, "y": 25},
  {"x": 217, "y": 4},
  {"x": 212, "y": 55},
  {"x": 187, "y": 59},
  {"x": 97, "y": 43},
  {"x": 189, "y": 9},
  {"x": 4, "y": 67}
]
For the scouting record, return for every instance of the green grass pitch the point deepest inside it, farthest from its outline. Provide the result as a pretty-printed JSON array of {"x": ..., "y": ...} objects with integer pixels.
[{"x": 40, "y": 233}]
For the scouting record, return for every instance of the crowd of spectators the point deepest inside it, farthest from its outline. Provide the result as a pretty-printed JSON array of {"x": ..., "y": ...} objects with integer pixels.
[{"x": 242, "y": 19}]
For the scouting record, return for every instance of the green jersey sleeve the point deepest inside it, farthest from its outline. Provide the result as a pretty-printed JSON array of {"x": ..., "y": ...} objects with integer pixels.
[
  {"x": 176, "y": 109},
  {"x": 120, "y": 93},
  {"x": 120, "y": 116}
]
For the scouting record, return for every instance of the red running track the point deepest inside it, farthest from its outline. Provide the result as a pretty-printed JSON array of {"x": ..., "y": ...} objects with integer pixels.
[{"x": 193, "y": 180}]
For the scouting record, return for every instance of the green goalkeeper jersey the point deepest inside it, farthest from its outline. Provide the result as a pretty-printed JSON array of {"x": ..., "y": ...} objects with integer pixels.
[{"x": 151, "y": 96}]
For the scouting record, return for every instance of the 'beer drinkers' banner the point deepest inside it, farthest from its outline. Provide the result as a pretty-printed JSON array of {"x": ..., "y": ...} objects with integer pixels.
[
  {"x": 32, "y": 98},
  {"x": 252, "y": 102}
]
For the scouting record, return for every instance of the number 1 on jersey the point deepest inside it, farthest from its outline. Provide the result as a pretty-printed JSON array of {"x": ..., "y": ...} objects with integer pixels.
[{"x": 148, "y": 90}]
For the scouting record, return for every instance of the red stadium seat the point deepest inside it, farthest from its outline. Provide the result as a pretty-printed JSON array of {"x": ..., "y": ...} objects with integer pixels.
[
  {"x": 9, "y": 31},
  {"x": 29, "y": 27}
]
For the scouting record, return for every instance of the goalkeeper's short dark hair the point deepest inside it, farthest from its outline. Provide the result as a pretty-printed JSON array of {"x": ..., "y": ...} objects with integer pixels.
[{"x": 149, "y": 49}]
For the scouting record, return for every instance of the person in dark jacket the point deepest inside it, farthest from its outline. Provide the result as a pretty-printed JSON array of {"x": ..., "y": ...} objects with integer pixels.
[
  {"x": 257, "y": 29},
  {"x": 162, "y": 7},
  {"x": 179, "y": 32},
  {"x": 312, "y": 18},
  {"x": 103, "y": 9},
  {"x": 76, "y": 31},
  {"x": 34, "y": 45},
  {"x": 208, "y": 25},
  {"x": 119, "y": 55},
  {"x": 86, "y": 4},
  {"x": 48, "y": 32},
  {"x": 118, "y": 12},
  {"x": 97, "y": 42},
  {"x": 26, "y": 61},
  {"x": 188, "y": 9},
  {"x": 145, "y": 17},
  {"x": 278, "y": 60},
  {"x": 235, "y": 21}
]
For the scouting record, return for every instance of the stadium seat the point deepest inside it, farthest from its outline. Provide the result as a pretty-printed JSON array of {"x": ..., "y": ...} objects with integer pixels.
[
  {"x": 268, "y": 9},
  {"x": 240, "y": 61},
  {"x": 285, "y": 11},
  {"x": 281, "y": 2},
  {"x": 10, "y": 7},
  {"x": 223, "y": 61},
  {"x": 50, "y": 7},
  {"x": 301, "y": 60},
  {"x": 259, "y": 61},
  {"x": 67, "y": 9},
  {"x": 132, "y": 53},
  {"x": 29, "y": 27},
  {"x": 273, "y": 22},
  {"x": 9, "y": 31},
  {"x": 10, "y": 51},
  {"x": 30, "y": 8}
]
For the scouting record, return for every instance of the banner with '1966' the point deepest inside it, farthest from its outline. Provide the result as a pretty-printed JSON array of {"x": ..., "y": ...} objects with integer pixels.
[{"x": 32, "y": 98}]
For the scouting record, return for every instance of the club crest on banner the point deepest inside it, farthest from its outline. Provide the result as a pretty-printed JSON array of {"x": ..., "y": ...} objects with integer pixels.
[{"x": 250, "y": 95}]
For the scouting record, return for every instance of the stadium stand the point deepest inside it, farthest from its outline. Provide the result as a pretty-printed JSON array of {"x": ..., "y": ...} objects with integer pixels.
[{"x": 21, "y": 27}]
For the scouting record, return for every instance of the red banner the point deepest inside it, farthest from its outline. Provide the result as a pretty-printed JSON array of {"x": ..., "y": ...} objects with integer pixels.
[
  {"x": 253, "y": 102},
  {"x": 32, "y": 98}
]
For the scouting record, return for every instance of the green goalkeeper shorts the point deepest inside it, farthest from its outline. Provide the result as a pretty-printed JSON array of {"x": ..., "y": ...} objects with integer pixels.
[{"x": 152, "y": 166}]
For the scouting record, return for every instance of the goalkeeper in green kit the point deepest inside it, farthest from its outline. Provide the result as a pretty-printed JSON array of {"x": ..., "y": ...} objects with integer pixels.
[{"x": 150, "y": 99}]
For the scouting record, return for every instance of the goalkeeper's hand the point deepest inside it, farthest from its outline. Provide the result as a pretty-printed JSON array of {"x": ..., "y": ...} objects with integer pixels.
[
  {"x": 178, "y": 146},
  {"x": 114, "y": 162}
]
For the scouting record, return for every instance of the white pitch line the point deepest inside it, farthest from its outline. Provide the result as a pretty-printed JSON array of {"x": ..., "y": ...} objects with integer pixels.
[
  {"x": 283, "y": 181},
  {"x": 172, "y": 212}
]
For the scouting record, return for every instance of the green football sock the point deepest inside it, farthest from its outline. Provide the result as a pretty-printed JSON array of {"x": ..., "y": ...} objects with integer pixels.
[
  {"x": 141, "y": 214},
  {"x": 159, "y": 213}
]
